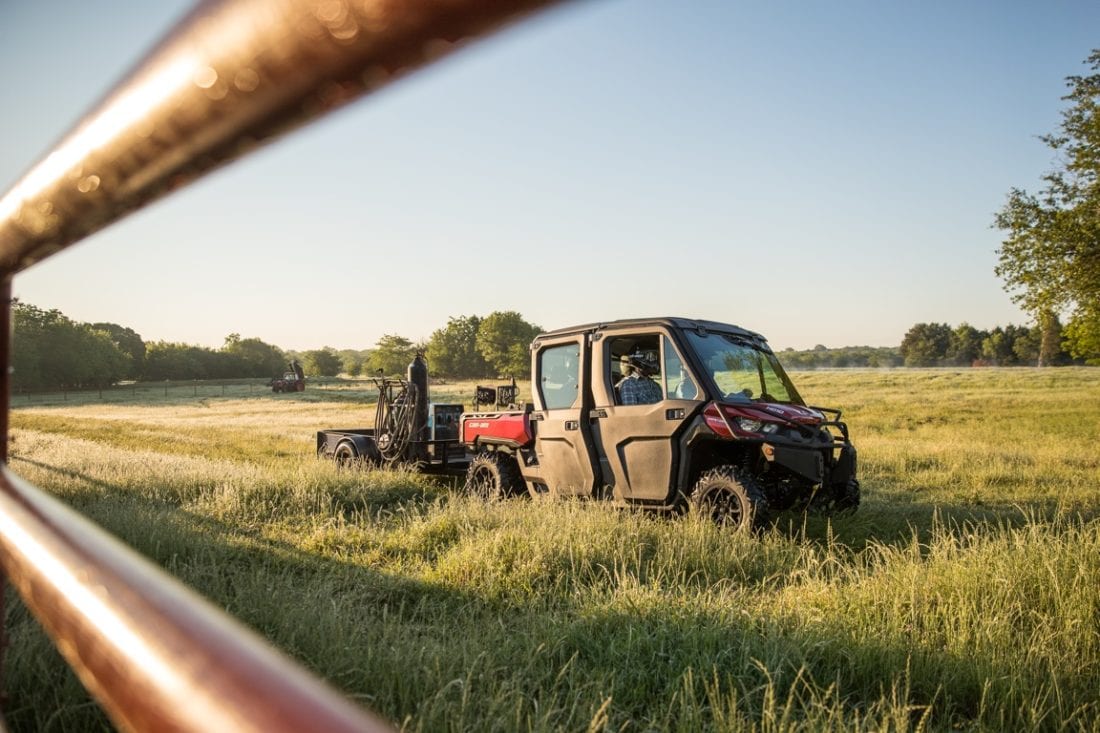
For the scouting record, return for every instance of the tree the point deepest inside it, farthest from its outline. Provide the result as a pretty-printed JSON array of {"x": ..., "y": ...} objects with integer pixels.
[
  {"x": 926, "y": 344},
  {"x": 392, "y": 354},
  {"x": 322, "y": 362},
  {"x": 256, "y": 358},
  {"x": 106, "y": 363},
  {"x": 127, "y": 340},
  {"x": 965, "y": 346},
  {"x": 452, "y": 350},
  {"x": 353, "y": 362},
  {"x": 50, "y": 351},
  {"x": 503, "y": 338},
  {"x": 1026, "y": 347},
  {"x": 165, "y": 360},
  {"x": 1050, "y": 258}
]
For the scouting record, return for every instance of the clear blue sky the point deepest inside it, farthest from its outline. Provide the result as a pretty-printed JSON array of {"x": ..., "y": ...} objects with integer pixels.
[{"x": 820, "y": 172}]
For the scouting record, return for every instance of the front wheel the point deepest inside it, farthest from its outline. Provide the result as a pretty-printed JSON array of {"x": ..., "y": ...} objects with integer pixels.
[
  {"x": 839, "y": 499},
  {"x": 494, "y": 475},
  {"x": 731, "y": 498}
]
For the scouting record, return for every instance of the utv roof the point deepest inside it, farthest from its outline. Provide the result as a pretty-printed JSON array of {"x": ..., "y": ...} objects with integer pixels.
[{"x": 687, "y": 324}]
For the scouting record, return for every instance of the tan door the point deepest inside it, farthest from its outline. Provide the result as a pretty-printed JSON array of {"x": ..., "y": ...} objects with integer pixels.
[
  {"x": 563, "y": 436},
  {"x": 636, "y": 443}
]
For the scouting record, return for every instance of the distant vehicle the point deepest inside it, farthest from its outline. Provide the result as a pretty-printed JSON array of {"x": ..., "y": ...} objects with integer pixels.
[
  {"x": 293, "y": 380},
  {"x": 724, "y": 431}
]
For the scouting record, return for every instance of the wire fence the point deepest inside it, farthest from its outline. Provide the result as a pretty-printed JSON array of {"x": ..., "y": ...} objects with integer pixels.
[
  {"x": 183, "y": 390},
  {"x": 317, "y": 389}
]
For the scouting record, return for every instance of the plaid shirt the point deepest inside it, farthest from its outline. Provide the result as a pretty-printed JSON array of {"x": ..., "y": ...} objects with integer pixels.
[{"x": 635, "y": 390}]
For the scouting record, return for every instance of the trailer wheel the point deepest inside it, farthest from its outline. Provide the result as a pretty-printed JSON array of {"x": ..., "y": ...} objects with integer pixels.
[
  {"x": 494, "y": 475},
  {"x": 731, "y": 498},
  {"x": 345, "y": 455}
]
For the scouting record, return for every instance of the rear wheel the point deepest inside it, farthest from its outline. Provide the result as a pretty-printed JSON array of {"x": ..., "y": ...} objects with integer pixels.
[
  {"x": 494, "y": 475},
  {"x": 345, "y": 455},
  {"x": 731, "y": 498}
]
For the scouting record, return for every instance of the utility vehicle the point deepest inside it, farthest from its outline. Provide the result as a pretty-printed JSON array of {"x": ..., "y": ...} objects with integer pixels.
[{"x": 726, "y": 432}]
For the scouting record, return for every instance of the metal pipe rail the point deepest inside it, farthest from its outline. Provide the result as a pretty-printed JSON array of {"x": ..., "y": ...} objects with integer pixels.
[
  {"x": 156, "y": 656},
  {"x": 233, "y": 75}
]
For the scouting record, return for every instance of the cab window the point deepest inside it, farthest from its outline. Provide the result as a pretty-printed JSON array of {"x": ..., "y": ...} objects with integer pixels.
[
  {"x": 559, "y": 372},
  {"x": 632, "y": 360},
  {"x": 678, "y": 382}
]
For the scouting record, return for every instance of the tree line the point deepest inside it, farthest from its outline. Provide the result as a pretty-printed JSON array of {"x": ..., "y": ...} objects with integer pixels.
[
  {"x": 939, "y": 344},
  {"x": 52, "y": 351}
]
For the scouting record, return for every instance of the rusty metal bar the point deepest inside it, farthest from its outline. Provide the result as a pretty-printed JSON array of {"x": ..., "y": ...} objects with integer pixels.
[
  {"x": 5, "y": 366},
  {"x": 157, "y": 656},
  {"x": 234, "y": 75},
  {"x": 5, "y": 406}
]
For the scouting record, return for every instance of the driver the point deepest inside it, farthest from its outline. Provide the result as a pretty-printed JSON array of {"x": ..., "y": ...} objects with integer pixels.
[{"x": 636, "y": 387}]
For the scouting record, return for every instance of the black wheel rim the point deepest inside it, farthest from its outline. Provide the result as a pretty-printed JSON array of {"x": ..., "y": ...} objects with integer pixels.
[{"x": 726, "y": 508}]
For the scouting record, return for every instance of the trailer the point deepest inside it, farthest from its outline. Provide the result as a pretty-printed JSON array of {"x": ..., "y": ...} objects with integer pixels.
[{"x": 408, "y": 428}]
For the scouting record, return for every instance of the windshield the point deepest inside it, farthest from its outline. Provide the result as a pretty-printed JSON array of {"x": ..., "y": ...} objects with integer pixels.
[{"x": 740, "y": 371}]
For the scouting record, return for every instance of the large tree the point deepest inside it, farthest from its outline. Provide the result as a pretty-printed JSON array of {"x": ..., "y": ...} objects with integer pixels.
[
  {"x": 391, "y": 355},
  {"x": 926, "y": 344},
  {"x": 322, "y": 362},
  {"x": 254, "y": 357},
  {"x": 966, "y": 345},
  {"x": 503, "y": 339},
  {"x": 1050, "y": 258},
  {"x": 452, "y": 350},
  {"x": 129, "y": 341}
]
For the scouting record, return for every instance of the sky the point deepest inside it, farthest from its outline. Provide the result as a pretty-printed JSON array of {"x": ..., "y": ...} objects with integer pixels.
[{"x": 823, "y": 173}]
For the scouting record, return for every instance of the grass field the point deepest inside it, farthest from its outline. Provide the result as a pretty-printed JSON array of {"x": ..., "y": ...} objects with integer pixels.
[{"x": 965, "y": 593}]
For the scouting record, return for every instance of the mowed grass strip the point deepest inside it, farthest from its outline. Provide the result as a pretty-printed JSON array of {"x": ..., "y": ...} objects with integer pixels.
[{"x": 951, "y": 600}]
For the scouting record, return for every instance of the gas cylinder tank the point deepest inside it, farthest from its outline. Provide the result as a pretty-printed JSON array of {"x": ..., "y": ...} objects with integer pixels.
[{"x": 417, "y": 376}]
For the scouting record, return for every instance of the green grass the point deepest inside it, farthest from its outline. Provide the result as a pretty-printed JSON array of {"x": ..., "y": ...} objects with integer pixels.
[{"x": 965, "y": 593}]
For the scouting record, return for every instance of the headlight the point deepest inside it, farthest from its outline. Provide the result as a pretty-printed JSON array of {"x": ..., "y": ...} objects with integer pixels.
[{"x": 749, "y": 425}]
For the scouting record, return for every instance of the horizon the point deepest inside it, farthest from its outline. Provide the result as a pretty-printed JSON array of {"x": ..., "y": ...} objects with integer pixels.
[{"x": 598, "y": 162}]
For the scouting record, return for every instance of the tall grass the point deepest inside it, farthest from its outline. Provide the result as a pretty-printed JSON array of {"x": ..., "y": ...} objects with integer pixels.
[{"x": 965, "y": 593}]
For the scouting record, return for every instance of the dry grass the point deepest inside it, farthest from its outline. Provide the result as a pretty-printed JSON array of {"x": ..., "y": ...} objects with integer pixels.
[{"x": 964, "y": 594}]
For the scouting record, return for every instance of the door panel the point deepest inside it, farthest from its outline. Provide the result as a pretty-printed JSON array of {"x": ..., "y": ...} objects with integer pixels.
[
  {"x": 636, "y": 442},
  {"x": 563, "y": 440}
]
